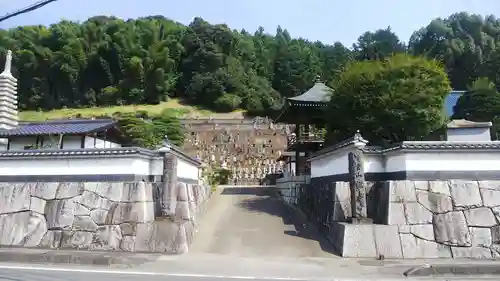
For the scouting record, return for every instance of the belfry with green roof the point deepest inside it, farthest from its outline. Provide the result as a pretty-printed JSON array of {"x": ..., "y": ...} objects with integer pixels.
[{"x": 306, "y": 112}]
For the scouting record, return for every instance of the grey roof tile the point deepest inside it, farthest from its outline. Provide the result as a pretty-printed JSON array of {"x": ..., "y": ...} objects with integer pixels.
[
  {"x": 462, "y": 123},
  {"x": 320, "y": 93},
  {"x": 80, "y": 152},
  {"x": 56, "y": 127}
]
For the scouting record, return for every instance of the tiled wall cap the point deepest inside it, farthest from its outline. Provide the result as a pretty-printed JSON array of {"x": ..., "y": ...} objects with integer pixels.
[{"x": 86, "y": 152}]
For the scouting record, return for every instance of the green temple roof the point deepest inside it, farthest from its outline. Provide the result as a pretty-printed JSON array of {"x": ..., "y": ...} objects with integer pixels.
[{"x": 318, "y": 94}]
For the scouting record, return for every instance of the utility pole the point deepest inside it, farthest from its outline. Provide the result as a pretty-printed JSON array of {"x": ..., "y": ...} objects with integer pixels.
[{"x": 32, "y": 7}]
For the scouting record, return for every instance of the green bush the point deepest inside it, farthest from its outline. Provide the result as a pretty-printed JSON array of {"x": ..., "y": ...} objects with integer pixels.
[
  {"x": 219, "y": 176},
  {"x": 228, "y": 103},
  {"x": 149, "y": 132},
  {"x": 389, "y": 101}
]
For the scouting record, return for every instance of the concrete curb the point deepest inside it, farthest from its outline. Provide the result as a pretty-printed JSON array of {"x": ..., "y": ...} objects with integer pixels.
[
  {"x": 453, "y": 269},
  {"x": 15, "y": 255}
]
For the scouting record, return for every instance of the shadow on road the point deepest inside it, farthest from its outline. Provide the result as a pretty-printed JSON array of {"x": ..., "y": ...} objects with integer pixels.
[
  {"x": 257, "y": 191},
  {"x": 267, "y": 201}
]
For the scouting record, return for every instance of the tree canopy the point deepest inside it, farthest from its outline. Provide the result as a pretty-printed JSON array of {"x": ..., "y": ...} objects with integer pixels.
[
  {"x": 150, "y": 131},
  {"x": 392, "y": 100},
  {"x": 480, "y": 103},
  {"x": 110, "y": 61}
]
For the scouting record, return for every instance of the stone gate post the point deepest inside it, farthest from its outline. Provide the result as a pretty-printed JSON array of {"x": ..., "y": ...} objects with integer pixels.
[
  {"x": 167, "y": 188},
  {"x": 357, "y": 181}
]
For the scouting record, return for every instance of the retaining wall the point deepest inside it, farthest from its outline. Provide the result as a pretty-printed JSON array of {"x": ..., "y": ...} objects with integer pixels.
[
  {"x": 97, "y": 216},
  {"x": 418, "y": 219},
  {"x": 120, "y": 199},
  {"x": 455, "y": 218}
]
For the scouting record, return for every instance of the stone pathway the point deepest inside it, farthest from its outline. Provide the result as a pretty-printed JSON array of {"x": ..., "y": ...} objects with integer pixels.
[{"x": 252, "y": 222}]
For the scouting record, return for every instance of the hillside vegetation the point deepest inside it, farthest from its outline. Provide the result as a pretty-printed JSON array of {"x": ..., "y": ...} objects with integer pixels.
[
  {"x": 138, "y": 70},
  {"x": 174, "y": 107},
  {"x": 107, "y": 62}
]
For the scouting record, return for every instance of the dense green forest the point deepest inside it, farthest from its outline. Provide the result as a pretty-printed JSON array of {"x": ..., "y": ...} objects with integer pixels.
[
  {"x": 378, "y": 81},
  {"x": 109, "y": 61}
]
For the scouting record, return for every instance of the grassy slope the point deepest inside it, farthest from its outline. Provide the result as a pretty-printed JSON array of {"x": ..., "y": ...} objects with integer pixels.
[{"x": 181, "y": 110}]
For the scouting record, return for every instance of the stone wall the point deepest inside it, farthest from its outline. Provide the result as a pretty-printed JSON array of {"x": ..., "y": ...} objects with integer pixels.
[
  {"x": 97, "y": 216},
  {"x": 289, "y": 187},
  {"x": 419, "y": 219},
  {"x": 412, "y": 219},
  {"x": 326, "y": 200},
  {"x": 375, "y": 198},
  {"x": 454, "y": 218},
  {"x": 174, "y": 233}
]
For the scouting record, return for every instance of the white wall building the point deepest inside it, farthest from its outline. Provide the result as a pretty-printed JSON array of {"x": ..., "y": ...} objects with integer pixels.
[
  {"x": 417, "y": 199},
  {"x": 64, "y": 134},
  {"x": 468, "y": 148},
  {"x": 76, "y": 149},
  {"x": 464, "y": 130}
]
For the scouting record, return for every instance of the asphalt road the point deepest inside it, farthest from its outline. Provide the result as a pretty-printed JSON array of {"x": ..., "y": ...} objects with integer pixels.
[
  {"x": 254, "y": 222},
  {"x": 37, "y": 275},
  {"x": 74, "y": 274}
]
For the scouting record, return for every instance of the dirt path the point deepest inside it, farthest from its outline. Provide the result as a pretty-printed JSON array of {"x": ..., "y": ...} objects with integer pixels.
[{"x": 251, "y": 222}]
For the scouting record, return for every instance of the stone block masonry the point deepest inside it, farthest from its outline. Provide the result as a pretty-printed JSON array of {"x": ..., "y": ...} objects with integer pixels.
[
  {"x": 118, "y": 216},
  {"x": 428, "y": 219},
  {"x": 454, "y": 218}
]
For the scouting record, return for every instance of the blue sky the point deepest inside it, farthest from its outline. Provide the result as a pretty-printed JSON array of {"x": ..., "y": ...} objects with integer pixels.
[{"x": 324, "y": 20}]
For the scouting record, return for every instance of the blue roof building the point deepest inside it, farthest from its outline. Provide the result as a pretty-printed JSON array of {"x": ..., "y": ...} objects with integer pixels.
[{"x": 451, "y": 100}]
